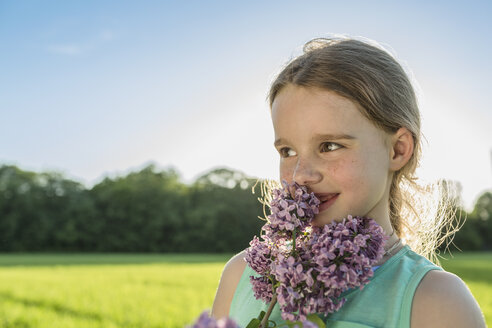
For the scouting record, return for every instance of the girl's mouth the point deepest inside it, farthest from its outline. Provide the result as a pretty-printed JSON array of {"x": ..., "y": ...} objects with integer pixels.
[{"x": 326, "y": 201}]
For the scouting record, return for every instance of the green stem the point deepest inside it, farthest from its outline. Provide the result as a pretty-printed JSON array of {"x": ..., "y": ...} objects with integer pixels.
[{"x": 264, "y": 322}]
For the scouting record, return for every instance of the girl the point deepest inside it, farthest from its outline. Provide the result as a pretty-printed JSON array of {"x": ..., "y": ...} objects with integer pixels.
[{"x": 347, "y": 126}]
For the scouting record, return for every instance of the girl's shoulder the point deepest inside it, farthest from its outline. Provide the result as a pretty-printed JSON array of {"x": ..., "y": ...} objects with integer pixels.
[
  {"x": 229, "y": 280},
  {"x": 442, "y": 299}
]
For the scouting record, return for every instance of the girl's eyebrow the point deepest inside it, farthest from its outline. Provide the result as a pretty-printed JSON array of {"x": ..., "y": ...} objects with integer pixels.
[{"x": 337, "y": 136}]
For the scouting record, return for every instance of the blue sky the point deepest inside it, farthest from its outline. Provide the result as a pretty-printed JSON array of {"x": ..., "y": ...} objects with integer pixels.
[{"x": 95, "y": 88}]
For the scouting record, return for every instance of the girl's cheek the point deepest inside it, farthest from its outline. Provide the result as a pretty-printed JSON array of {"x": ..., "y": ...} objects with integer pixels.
[{"x": 348, "y": 173}]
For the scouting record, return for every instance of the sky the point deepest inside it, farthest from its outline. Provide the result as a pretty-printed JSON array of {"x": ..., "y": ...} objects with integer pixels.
[{"x": 101, "y": 88}]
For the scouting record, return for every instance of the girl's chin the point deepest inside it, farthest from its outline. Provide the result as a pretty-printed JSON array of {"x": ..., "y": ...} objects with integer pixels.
[{"x": 321, "y": 220}]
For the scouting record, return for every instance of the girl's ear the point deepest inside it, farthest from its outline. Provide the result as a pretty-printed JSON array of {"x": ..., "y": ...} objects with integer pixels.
[{"x": 401, "y": 148}]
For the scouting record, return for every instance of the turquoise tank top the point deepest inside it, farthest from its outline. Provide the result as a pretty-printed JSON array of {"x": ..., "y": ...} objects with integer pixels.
[{"x": 386, "y": 301}]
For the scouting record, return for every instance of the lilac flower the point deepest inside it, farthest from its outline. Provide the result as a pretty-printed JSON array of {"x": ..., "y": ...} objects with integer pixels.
[
  {"x": 258, "y": 256},
  {"x": 205, "y": 321},
  {"x": 311, "y": 266},
  {"x": 262, "y": 288},
  {"x": 292, "y": 207},
  {"x": 338, "y": 257}
]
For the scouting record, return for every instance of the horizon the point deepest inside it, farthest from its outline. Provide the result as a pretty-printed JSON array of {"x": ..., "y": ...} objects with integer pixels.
[{"x": 158, "y": 167}]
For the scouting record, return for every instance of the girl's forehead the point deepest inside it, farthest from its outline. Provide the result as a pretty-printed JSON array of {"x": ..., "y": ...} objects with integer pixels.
[
  {"x": 308, "y": 112},
  {"x": 321, "y": 109}
]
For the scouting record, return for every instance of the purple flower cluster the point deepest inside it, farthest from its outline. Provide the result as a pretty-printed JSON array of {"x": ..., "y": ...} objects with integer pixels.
[
  {"x": 292, "y": 212},
  {"x": 311, "y": 266},
  {"x": 258, "y": 256},
  {"x": 262, "y": 288},
  {"x": 205, "y": 321},
  {"x": 292, "y": 207}
]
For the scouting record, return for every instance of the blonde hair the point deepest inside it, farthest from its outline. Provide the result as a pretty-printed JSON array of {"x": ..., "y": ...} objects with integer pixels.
[{"x": 362, "y": 71}]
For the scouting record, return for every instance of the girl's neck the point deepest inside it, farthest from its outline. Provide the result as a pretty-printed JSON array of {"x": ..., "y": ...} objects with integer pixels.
[{"x": 393, "y": 245}]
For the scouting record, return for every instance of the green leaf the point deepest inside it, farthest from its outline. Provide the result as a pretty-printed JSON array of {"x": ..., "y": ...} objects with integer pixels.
[
  {"x": 291, "y": 324},
  {"x": 262, "y": 314},
  {"x": 254, "y": 323},
  {"x": 317, "y": 320}
]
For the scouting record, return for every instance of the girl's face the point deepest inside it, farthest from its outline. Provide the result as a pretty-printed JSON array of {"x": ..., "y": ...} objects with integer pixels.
[{"x": 326, "y": 144}]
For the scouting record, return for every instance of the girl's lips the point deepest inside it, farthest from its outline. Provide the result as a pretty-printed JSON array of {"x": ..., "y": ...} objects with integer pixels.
[{"x": 326, "y": 200}]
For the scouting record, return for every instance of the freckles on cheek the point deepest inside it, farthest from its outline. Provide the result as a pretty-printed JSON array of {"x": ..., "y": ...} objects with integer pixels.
[
  {"x": 351, "y": 181},
  {"x": 351, "y": 174}
]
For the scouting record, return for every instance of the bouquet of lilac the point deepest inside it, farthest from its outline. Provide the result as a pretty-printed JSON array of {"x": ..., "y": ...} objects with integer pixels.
[{"x": 306, "y": 268}]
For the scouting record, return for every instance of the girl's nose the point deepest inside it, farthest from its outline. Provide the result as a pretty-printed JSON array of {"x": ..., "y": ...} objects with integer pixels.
[{"x": 305, "y": 173}]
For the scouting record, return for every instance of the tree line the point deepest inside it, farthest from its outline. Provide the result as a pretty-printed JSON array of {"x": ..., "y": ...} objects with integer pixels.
[{"x": 152, "y": 210}]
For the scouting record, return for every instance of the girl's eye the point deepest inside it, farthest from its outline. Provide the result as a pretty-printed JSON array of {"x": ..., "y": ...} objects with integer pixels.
[
  {"x": 287, "y": 152},
  {"x": 329, "y": 146}
]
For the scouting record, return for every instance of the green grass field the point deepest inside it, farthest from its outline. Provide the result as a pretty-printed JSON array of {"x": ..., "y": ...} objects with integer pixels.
[{"x": 82, "y": 290}]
